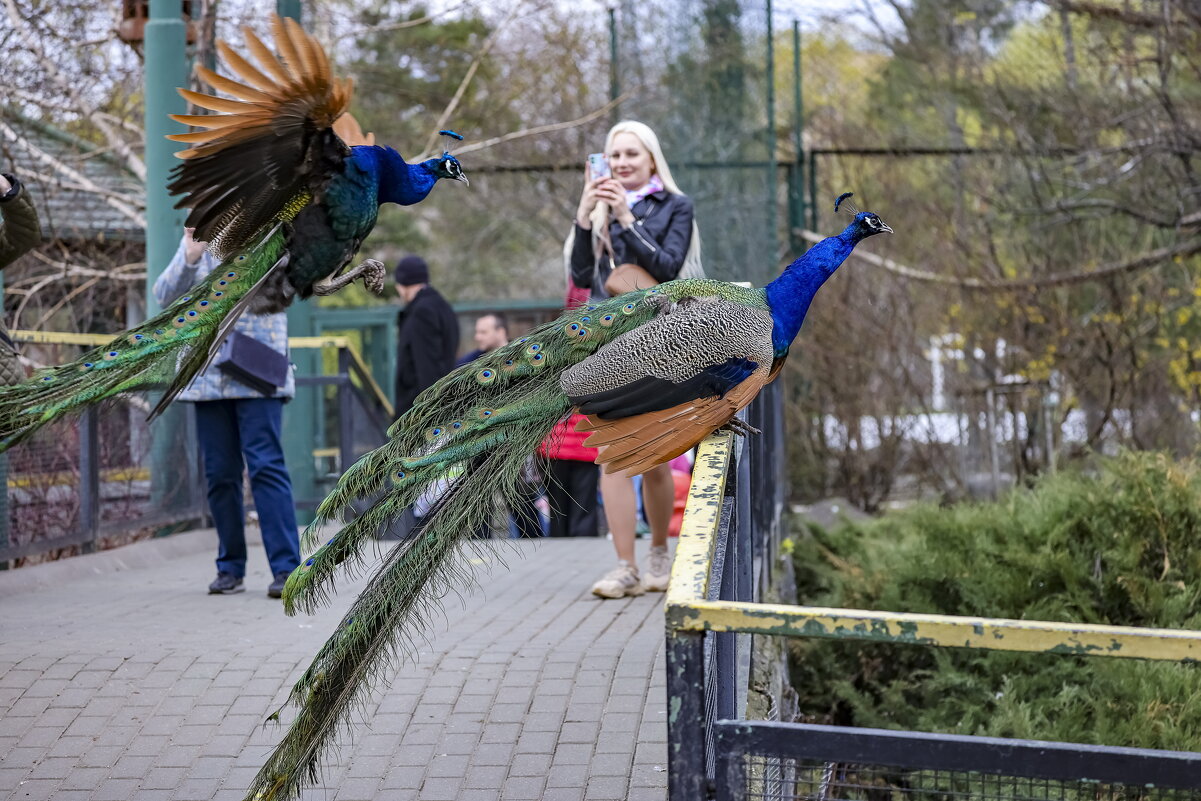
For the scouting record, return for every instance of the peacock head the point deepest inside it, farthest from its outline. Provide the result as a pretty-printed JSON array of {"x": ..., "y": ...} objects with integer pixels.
[
  {"x": 865, "y": 224},
  {"x": 446, "y": 165}
]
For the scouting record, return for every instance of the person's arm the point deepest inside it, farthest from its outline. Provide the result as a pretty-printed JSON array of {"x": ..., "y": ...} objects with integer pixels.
[
  {"x": 582, "y": 261},
  {"x": 182, "y": 272},
  {"x": 20, "y": 232},
  {"x": 664, "y": 258}
]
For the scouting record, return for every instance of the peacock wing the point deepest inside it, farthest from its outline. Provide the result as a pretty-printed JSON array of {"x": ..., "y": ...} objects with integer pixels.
[
  {"x": 268, "y": 150},
  {"x": 656, "y": 391}
]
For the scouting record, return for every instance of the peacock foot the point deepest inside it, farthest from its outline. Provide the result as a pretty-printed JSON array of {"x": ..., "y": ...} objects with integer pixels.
[
  {"x": 371, "y": 271},
  {"x": 374, "y": 274},
  {"x": 739, "y": 427}
]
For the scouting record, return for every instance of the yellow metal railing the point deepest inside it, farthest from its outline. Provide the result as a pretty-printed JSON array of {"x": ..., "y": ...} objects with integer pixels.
[
  {"x": 688, "y": 610},
  {"x": 341, "y": 343}
]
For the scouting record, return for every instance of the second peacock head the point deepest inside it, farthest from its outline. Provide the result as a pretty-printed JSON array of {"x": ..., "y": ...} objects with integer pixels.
[
  {"x": 865, "y": 224},
  {"x": 447, "y": 166}
]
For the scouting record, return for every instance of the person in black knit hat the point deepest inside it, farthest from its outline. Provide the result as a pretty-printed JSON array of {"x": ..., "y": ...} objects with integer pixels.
[{"x": 428, "y": 333}]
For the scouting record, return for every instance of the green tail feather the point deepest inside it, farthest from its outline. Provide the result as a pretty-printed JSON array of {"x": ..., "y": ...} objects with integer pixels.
[
  {"x": 171, "y": 348},
  {"x": 474, "y": 430}
]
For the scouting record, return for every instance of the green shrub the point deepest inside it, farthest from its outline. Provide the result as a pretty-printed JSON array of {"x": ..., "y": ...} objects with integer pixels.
[{"x": 1122, "y": 547}]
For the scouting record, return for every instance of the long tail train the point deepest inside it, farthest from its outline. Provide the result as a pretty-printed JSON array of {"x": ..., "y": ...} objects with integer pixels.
[
  {"x": 169, "y": 349},
  {"x": 468, "y": 437}
]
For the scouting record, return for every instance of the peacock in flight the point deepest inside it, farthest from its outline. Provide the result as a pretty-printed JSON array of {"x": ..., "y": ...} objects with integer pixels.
[
  {"x": 655, "y": 370},
  {"x": 284, "y": 186}
]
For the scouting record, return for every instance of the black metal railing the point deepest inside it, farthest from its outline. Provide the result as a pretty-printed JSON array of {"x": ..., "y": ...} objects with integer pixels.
[
  {"x": 730, "y": 534},
  {"x": 99, "y": 480},
  {"x": 361, "y": 415},
  {"x": 792, "y": 761}
]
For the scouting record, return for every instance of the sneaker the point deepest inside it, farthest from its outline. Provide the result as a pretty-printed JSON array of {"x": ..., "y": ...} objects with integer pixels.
[
  {"x": 226, "y": 584},
  {"x": 658, "y": 569},
  {"x": 619, "y": 582},
  {"x": 276, "y": 590}
]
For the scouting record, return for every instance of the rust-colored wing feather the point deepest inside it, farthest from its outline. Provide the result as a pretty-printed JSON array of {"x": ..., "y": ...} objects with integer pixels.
[
  {"x": 633, "y": 445},
  {"x": 349, "y": 131},
  {"x": 272, "y": 143}
]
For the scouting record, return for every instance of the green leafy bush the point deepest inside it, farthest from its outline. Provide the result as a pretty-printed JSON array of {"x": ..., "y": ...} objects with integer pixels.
[{"x": 1122, "y": 547}]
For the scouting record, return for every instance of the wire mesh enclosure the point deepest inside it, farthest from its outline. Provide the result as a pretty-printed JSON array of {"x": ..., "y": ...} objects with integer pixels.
[
  {"x": 87, "y": 483},
  {"x": 712, "y": 108},
  {"x": 784, "y": 762}
]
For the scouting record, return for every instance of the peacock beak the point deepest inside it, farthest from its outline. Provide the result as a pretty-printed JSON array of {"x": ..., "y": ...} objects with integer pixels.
[
  {"x": 885, "y": 229},
  {"x": 462, "y": 178}
]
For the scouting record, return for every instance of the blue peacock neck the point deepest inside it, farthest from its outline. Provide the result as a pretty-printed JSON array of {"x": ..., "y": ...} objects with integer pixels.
[
  {"x": 791, "y": 293},
  {"x": 399, "y": 181}
]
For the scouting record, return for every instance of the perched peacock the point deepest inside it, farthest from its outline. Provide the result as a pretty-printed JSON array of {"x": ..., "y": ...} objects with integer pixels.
[
  {"x": 284, "y": 187},
  {"x": 657, "y": 370}
]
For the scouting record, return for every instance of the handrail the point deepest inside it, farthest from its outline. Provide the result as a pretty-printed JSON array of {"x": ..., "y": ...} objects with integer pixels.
[
  {"x": 95, "y": 340},
  {"x": 698, "y": 530},
  {"x": 707, "y": 609},
  {"x": 688, "y": 608}
]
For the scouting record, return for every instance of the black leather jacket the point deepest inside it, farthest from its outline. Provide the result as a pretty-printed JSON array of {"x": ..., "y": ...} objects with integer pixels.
[
  {"x": 658, "y": 241},
  {"x": 427, "y": 340}
]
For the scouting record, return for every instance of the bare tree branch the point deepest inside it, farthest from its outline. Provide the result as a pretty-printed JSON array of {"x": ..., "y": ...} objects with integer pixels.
[
  {"x": 64, "y": 85},
  {"x": 121, "y": 203},
  {"x": 1149, "y": 259},
  {"x": 410, "y": 23},
  {"x": 432, "y": 142},
  {"x": 541, "y": 129}
]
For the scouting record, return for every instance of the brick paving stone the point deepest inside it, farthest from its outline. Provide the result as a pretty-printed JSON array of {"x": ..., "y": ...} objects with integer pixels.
[
  {"x": 36, "y": 789},
  {"x": 447, "y": 766},
  {"x": 440, "y": 789},
  {"x": 523, "y": 787},
  {"x": 403, "y": 778},
  {"x": 357, "y": 789},
  {"x": 527, "y": 689},
  {"x": 563, "y": 794},
  {"x": 572, "y": 754}
]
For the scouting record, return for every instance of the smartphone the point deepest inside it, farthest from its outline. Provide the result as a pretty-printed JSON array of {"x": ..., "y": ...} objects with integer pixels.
[{"x": 598, "y": 164}]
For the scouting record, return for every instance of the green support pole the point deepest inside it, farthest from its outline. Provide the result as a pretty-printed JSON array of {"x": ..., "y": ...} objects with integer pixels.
[
  {"x": 166, "y": 69},
  {"x": 614, "y": 79},
  {"x": 771, "y": 136},
  {"x": 302, "y": 422},
  {"x": 812, "y": 191},
  {"x": 289, "y": 8},
  {"x": 796, "y": 184}
]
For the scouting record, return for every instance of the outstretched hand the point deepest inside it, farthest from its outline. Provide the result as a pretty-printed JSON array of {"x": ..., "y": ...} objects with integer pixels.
[
  {"x": 5, "y": 186},
  {"x": 193, "y": 249}
]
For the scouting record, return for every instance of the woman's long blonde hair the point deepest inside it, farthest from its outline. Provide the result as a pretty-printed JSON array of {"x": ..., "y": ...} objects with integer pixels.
[{"x": 691, "y": 268}]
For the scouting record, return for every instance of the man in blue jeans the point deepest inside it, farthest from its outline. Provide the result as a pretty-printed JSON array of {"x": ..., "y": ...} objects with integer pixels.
[{"x": 237, "y": 424}]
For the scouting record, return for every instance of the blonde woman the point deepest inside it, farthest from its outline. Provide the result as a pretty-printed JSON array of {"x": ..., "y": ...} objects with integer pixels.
[{"x": 635, "y": 216}]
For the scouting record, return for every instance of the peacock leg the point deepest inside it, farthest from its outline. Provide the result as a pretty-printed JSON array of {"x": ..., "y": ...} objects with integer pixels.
[
  {"x": 371, "y": 271},
  {"x": 739, "y": 427}
]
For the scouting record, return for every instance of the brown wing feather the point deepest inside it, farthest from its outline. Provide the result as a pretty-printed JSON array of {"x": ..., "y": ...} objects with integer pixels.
[
  {"x": 266, "y": 59},
  {"x": 349, "y": 131},
  {"x": 244, "y": 69},
  {"x": 272, "y": 143},
  {"x": 231, "y": 87},
  {"x": 635, "y": 444}
]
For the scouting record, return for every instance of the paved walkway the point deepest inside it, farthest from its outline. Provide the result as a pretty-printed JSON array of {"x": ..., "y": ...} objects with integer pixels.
[{"x": 120, "y": 679}]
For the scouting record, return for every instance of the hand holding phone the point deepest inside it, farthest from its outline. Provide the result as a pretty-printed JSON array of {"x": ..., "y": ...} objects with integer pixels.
[{"x": 598, "y": 165}]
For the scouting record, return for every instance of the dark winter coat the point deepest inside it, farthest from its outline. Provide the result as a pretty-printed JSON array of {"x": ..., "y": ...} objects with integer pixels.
[
  {"x": 658, "y": 242},
  {"x": 427, "y": 341},
  {"x": 20, "y": 231}
]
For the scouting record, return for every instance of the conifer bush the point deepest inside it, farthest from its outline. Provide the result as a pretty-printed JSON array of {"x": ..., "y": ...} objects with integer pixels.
[{"x": 1121, "y": 546}]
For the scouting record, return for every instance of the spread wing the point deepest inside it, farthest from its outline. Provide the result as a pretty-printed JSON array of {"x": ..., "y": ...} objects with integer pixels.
[
  {"x": 268, "y": 150},
  {"x": 656, "y": 391}
]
